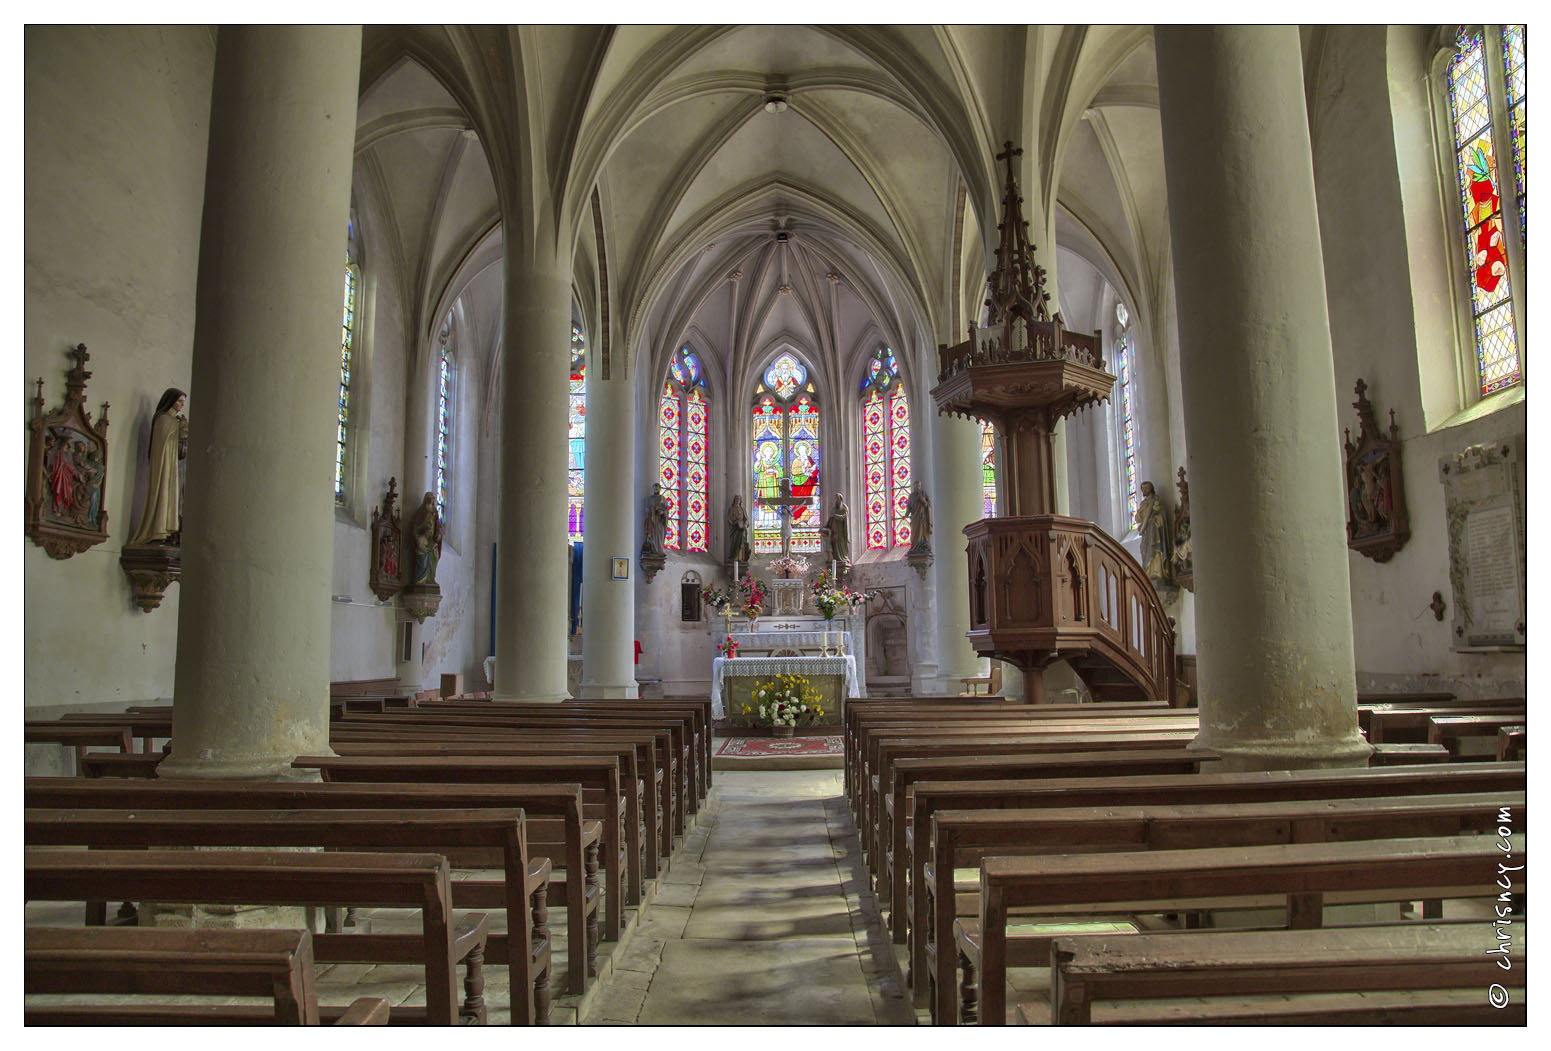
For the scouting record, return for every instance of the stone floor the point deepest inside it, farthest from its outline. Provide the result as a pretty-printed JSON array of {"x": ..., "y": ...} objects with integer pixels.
[{"x": 765, "y": 919}]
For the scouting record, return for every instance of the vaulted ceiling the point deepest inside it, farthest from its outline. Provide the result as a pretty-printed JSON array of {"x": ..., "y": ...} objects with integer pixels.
[{"x": 875, "y": 158}]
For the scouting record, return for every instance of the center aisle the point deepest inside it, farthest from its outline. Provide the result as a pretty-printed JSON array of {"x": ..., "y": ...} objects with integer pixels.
[{"x": 765, "y": 919}]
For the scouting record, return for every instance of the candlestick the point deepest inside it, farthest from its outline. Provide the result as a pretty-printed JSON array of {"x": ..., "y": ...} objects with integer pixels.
[
  {"x": 832, "y": 572},
  {"x": 735, "y": 571}
]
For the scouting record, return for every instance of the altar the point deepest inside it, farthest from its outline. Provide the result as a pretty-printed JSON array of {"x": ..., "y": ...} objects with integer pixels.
[{"x": 733, "y": 680}]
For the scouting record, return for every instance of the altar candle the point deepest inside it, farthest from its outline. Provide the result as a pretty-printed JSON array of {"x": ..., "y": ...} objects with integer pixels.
[
  {"x": 734, "y": 571},
  {"x": 832, "y": 569}
]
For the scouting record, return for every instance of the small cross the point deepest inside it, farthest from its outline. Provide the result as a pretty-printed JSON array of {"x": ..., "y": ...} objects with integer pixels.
[{"x": 783, "y": 505}]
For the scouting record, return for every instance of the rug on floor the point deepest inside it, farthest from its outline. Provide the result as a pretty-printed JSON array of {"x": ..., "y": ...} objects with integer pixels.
[{"x": 754, "y": 747}]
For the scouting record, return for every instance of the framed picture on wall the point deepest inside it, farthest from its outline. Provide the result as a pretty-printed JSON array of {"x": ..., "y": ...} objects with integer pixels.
[{"x": 622, "y": 569}]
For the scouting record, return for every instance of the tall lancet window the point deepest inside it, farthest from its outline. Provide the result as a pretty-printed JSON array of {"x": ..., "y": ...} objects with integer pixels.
[
  {"x": 1125, "y": 409},
  {"x": 786, "y": 447},
  {"x": 1477, "y": 109},
  {"x": 347, "y": 350},
  {"x": 988, "y": 468},
  {"x": 446, "y": 390},
  {"x": 576, "y": 481},
  {"x": 683, "y": 456},
  {"x": 886, "y": 452}
]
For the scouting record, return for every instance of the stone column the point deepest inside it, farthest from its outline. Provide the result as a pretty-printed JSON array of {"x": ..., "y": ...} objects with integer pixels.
[
  {"x": 1273, "y": 620},
  {"x": 531, "y": 600},
  {"x": 956, "y": 502},
  {"x": 252, "y": 679},
  {"x": 608, "y": 605}
]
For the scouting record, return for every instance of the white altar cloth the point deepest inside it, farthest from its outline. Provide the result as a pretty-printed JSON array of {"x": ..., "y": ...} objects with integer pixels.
[
  {"x": 792, "y": 640},
  {"x": 772, "y": 666}
]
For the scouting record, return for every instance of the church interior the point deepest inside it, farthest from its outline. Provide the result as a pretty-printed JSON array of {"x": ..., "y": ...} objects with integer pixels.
[{"x": 1116, "y": 417}]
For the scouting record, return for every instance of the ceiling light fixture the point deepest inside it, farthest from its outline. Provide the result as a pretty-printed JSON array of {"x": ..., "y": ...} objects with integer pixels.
[{"x": 775, "y": 104}]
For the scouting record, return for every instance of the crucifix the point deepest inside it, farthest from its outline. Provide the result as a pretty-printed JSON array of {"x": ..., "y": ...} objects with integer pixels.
[{"x": 784, "y": 505}]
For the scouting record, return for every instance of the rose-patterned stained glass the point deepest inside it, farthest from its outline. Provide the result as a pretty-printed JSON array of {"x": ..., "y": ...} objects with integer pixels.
[
  {"x": 669, "y": 452},
  {"x": 899, "y": 462},
  {"x": 576, "y": 481},
  {"x": 1125, "y": 399},
  {"x": 885, "y": 452},
  {"x": 683, "y": 428},
  {"x": 988, "y": 468},
  {"x": 786, "y": 376},
  {"x": 1497, "y": 345},
  {"x": 769, "y": 432},
  {"x": 697, "y": 470},
  {"x": 346, "y": 351},
  {"x": 1513, "y": 78},
  {"x": 444, "y": 425}
]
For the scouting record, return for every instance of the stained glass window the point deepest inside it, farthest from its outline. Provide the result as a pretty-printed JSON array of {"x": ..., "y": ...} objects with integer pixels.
[
  {"x": 988, "y": 468},
  {"x": 683, "y": 456},
  {"x": 1125, "y": 402},
  {"x": 786, "y": 446},
  {"x": 1513, "y": 79},
  {"x": 577, "y": 435},
  {"x": 1491, "y": 307},
  {"x": 346, "y": 353},
  {"x": 444, "y": 404},
  {"x": 886, "y": 452}
]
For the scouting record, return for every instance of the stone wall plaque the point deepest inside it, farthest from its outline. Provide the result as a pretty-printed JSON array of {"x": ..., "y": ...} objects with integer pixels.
[{"x": 1484, "y": 503}]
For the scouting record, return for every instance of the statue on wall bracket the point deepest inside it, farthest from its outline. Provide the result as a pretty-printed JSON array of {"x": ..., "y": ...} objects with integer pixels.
[
  {"x": 67, "y": 466},
  {"x": 654, "y": 530},
  {"x": 386, "y": 578},
  {"x": 423, "y": 596},
  {"x": 1376, "y": 523},
  {"x": 153, "y": 559},
  {"x": 919, "y": 508}
]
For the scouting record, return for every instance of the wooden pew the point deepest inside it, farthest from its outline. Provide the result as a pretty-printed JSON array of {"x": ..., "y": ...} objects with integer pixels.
[
  {"x": 555, "y": 829},
  {"x": 893, "y": 860},
  {"x": 1511, "y": 743},
  {"x": 932, "y": 797},
  {"x": 598, "y": 776},
  {"x": 1227, "y": 966},
  {"x": 220, "y": 877},
  {"x": 1384, "y": 869},
  {"x": 1451, "y": 730},
  {"x": 80, "y": 736},
  {"x": 274, "y": 964},
  {"x": 965, "y": 837},
  {"x": 700, "y": 708},
  {"x": 524, "y": 948},
  {"x": 1409, "y": 723},
  {"x": 635, "y": 842}
]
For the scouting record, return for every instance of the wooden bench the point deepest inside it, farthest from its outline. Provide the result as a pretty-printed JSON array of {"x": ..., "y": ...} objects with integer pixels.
[
  {"x": 1388, "y": 753},
  {"x": 931, "y": 797},
  {"x": 892, "y": 859},
  {"x": 1402, "y": 723},
  {"x": 555, "y": 830},
  {"x": 273, "y": 964},
  {"x": 81, "y": 737},
  {"x": 598, "y": 776},
  {"x": 965, "y": 837},
  {"x": 1450, "y": 731},
  {"x": 524, "y": 948},
  {"x": 1511, "y": 743},
  {"x": 1228, "y": 966},
  {"x": 1173, "y": 880},
  {"x": 219, "y": 877}
]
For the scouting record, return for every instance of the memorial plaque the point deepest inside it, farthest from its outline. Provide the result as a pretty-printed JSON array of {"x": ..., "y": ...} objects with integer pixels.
[{"x": 1483, "y": 489}]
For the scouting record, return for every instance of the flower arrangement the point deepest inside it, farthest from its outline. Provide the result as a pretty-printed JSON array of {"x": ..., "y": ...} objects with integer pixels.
[
  {"x": 789, "y": 566},
  {"x": 786, "y": 700},
  {"x": 729, "y": 647},
  {"x": 720, "y": 599},
  {"x": 831, "y": 597},
  {"x": 752, "y": 592}
]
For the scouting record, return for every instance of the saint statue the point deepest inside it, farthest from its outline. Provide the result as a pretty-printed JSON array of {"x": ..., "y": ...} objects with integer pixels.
[
  {"x": 161, "y": 520},
  {"x": 738, "y": 549},
  {"x": 425, "y": 532},
  {"x": 919, "y": 507},
  {"x": 838, "y": 529},
  {"x": 655, "y": 528},
  {"x": 1153, "y": 528}
]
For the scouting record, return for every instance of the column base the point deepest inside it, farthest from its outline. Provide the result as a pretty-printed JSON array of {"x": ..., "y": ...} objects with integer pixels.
[
  {"x": 1280, "y": 754},
  {"x": 540, "y": 698},
  {"x": 609, "y": 690},
  {"x": 265, "y": 768}
]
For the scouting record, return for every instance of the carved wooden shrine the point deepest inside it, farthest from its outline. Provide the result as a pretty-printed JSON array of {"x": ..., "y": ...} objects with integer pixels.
[
  {"x": 67, "y": 468},
  {"x": 1376, "y": 523},
  {"x": 1046, "y": 587},
  {"x": 1184, "y": 547},
  {"x": 387, "y": 573}
]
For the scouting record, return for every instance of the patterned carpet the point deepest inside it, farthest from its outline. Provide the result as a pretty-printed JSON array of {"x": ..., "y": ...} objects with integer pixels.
[{"x": 755, "y": 747}]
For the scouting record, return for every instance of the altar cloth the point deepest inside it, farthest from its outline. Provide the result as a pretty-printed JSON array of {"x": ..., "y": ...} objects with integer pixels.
[{"x": 769, "y": 667}]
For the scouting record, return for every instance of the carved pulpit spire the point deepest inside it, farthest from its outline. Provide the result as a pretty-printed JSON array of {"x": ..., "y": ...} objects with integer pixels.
[{"x": 1017, "y": 285}]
